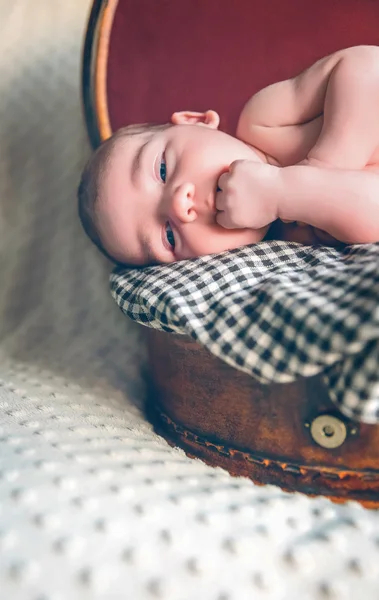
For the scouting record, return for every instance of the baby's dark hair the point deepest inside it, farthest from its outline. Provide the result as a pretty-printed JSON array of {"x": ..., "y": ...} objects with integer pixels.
[{"x": 89, "y": 189}]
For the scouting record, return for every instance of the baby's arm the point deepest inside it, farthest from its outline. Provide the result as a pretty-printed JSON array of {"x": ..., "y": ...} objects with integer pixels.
[
  {"x": 344, "y": 203},
  {"x": 334, "y": 103},
  {"x": 341, "y": 202}
]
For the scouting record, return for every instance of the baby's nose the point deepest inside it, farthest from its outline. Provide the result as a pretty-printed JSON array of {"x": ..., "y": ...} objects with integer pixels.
[{"x": 183, "y": 205}]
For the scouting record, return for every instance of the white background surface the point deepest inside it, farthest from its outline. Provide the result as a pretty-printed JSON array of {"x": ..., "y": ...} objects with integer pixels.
[{"x": 94, "y": 505}]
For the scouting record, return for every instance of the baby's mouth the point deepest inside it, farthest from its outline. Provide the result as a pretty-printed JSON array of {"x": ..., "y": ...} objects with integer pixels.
[
  {"x": 218, "y": 189},
  {"x": 211, "y": 204}
]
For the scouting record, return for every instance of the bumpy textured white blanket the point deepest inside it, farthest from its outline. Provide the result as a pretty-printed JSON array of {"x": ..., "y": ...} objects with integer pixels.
[{"x": 94, "y": 505}]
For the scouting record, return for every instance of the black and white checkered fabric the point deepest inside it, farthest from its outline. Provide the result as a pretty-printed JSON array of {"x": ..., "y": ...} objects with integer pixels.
[{"x": 276, "y": 310}]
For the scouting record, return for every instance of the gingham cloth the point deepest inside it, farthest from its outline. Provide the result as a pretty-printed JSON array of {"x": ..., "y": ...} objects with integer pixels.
[{"x": 276, "y": 310}]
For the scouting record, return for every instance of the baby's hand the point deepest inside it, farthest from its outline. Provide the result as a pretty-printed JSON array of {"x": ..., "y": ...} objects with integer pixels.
[{"x": 249, "y": 195}]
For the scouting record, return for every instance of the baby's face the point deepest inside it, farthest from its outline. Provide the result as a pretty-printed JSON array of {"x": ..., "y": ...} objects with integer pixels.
[{"x": 157, "y": 201}]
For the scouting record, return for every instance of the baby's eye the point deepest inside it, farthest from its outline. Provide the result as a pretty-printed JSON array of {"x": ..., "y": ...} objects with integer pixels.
[
  {"x": 170, "y": 235},
  {"x": 163, "y": 169}
]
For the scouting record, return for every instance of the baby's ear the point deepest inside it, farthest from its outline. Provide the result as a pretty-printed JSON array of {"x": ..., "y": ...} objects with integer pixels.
[{"x": 187, "y": 117}]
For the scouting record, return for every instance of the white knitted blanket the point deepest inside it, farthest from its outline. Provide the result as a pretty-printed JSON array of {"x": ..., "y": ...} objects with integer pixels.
[{"x": 93, "y": 504}]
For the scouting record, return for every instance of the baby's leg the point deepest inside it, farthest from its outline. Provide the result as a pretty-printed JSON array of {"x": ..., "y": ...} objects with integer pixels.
[
  {"x": 350, "y": 134},
  {"x": 344, "y": 88}
]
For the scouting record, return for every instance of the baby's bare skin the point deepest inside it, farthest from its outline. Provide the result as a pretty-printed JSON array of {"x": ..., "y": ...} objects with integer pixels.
[
  {"x": 327, "y": 120},
  {"x": 306, "y": 151}
]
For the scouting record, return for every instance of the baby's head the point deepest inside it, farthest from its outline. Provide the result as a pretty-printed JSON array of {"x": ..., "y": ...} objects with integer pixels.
[{"x": 147, "y": 195}]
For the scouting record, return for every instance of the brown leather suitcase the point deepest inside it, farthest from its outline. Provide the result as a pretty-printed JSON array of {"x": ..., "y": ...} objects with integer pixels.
[{"x": 144, "y": 59}]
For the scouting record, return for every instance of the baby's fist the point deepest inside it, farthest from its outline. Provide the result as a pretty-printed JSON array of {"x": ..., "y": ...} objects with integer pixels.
[{"x": 249, "y": 195}]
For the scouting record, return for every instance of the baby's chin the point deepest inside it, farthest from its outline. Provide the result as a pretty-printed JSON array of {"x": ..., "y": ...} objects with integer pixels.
[
  {"x": 230, "y": 239},
  {"x": 244, "y": 237}
]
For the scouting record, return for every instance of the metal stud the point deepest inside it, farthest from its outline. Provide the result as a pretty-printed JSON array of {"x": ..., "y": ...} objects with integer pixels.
[{"x": 328, "y": 431}]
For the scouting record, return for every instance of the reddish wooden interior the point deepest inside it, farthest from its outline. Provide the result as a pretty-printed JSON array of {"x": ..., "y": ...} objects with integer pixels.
[{"x": 168, "y": 55}]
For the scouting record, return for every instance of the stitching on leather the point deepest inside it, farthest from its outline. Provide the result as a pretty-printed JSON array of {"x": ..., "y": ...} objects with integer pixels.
[{"x": 293, "y": 469}]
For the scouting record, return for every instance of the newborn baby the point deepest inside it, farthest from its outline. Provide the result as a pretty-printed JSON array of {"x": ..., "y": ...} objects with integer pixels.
[{"x": 304, "y": 166}]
